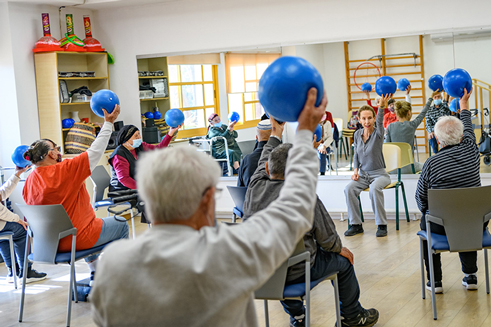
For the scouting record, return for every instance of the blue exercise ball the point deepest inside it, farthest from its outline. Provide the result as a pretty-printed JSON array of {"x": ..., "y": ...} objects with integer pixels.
[
  {"x": 366, "y": 87},
  {"x": 67, "y": 123},
  {"x": 454, "y": 105},
  {"x": 318, "y": 133},
  {"x": 157, "y": 115},
  {"x": 402, "y": 84},
  {"x": 435, "y": 82},
  {"x": 174, "y": 117},
  {"x": 233, "y": 116},
  {"x": 18, "y": 156},
  {"x": 455, "y": 81},
  {"x": 385, "y": 85},
  {"x": 106, "y": 99},
  {"x": 148, "y": 115},
  {"x": 284, "y": 86}
]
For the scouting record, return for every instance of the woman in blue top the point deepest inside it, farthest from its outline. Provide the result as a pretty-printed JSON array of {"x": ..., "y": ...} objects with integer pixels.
[{"x": 369, "y": 169}]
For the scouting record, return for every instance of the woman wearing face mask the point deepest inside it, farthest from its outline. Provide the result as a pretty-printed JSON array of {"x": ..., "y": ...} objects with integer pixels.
[
  {"x": 217, "y": 128},
  {"x": 369, "y": 169},
  {"x": 391, "y": 116},
  {"x": 437, "y": 110},
  {"x": 124, "y": 157}
]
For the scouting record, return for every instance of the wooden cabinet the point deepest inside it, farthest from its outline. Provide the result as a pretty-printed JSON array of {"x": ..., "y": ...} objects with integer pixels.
[
  {"x": 153, "y": 65},
  {"x": 51, "y": 110}
]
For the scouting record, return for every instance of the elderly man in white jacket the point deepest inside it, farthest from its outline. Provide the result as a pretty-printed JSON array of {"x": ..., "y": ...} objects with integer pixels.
[
  {"x": 10, "y": 222},
  {"x": 186, "y": 271}
]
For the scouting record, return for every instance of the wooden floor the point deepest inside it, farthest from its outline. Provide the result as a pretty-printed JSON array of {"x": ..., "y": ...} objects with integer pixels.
[{"x": 387, "y": 269}]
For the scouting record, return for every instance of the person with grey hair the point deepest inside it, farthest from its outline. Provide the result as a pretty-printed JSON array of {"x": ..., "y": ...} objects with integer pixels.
[
  {"x": 249, "y": 162},
  {"x": 185, "y": 271},
  {"x": 456, "y": 165},
  {"x": 327, "y": 255}
]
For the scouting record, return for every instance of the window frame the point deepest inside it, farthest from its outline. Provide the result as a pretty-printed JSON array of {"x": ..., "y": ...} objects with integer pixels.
[{"x": 201, "y": 131}]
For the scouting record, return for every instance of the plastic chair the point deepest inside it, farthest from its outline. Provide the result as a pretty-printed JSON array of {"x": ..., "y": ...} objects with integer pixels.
[
  {"x": 247, "y": 147},
  {"x": 7, "y": 235},
  {"x": 275, "y": 289},
  {"x": 462, "y": 212},
  {"x": 48, "y": 224},
  {"x": 238, "y": 194},
  {"x": 392, "y": 157},
  {"x": 206, "y": 145},
  {"x": 406, "y": 154},
  {"x": 100, "y": 181}
]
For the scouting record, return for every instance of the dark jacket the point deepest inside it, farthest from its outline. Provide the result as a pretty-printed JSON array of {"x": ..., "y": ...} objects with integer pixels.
[
  {"x": 249, "y": 164},
  {"x": 114, "y": 184},
  {"x": 263, "y": 190}
]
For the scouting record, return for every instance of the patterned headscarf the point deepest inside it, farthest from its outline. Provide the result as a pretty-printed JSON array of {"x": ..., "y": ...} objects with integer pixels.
[{"x": 125, "y": 133}]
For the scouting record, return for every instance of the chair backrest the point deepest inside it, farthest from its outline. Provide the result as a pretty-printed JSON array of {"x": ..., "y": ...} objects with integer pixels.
[
  {"x": 238, "y": 194},
  {"x": 392, "y": 156},
  {"x": 340, "y": 125},
  {"x": 462, "y": 212},
  {"x": 47, "y": 225},
  {"x": 247, "y": 146},
  {"x": 274, "y": 287},
  {"x": 407, "y": 157},
  {"x": 100, "y": 179}
]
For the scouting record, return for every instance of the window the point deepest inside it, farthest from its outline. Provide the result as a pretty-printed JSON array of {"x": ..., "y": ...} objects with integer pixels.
[
  {"x": 243, "y": 74},
  {"x": 193, "y": 89}
]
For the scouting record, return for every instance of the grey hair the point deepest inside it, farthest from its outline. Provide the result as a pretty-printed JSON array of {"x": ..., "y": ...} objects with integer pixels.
[
  {"x": 449, "y": 130},
  {"x": 172, "y": 182},
  {"x": 277, "y": 159}
]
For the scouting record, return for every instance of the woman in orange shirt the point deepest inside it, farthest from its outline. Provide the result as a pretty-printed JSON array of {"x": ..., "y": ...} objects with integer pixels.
[{"x": 63, "y": 182}]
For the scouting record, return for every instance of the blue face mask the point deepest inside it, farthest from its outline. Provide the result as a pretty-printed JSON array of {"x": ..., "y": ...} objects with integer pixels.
[
  {"x": 437, "y": 102},
  {"x": 218, "y": 125},
  {"x": 136, "y": 143}
]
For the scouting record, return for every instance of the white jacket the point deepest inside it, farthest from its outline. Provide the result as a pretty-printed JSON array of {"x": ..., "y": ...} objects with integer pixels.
[
  {"x": 5, "y": 190},
  {"x": 327, "y": 138}
]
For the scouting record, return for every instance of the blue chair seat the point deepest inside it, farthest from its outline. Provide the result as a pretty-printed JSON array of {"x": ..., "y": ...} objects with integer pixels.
[
  {"x": 6, "y": 233},
  {"x": 64, "y": 257},
  {"x": 440, "y": 242},
  {"x": 103, "y": 203},
  {"x": 238, "y": 212},
  {"x": 298, "y": 290}
]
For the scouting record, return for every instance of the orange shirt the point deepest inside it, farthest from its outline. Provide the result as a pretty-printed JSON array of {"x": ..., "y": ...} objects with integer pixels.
[{"x": 63, "y": 184}]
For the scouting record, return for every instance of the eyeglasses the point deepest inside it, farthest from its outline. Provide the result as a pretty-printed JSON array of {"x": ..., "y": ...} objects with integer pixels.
[{"x": 57, "y": 148}]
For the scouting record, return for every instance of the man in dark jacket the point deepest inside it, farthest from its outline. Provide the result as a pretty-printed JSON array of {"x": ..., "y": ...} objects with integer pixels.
[
  {"x": 322, "y": 241},
  {"x": 249, "y": 162}
]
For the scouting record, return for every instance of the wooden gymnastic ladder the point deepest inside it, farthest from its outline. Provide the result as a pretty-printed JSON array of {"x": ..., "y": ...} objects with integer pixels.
[
  {"x": 407, "y": 65},
  {"x": 480, "y": 86}
]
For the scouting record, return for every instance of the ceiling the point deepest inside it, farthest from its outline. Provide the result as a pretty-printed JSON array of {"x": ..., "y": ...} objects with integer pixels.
[{"x": 93, "y": 4}]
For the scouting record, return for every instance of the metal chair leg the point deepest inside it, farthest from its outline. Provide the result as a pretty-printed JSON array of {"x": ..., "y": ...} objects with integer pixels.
[
  {"x": 266, "y": 313},
  {"x": 336, "y": 299},
  {"x": 421, "y": 257},
  {"x": 133, "y": 223},
  {"x": 432, "y": 271},
  {"x": 486, "y": 269},
  {"x": 397, "y": 207},
  {"x": 234, "y": 218},
  {"x": 13, "y": 260},
  {"x": 405, "y": 201},
  {"x": 24, "y": 278}
]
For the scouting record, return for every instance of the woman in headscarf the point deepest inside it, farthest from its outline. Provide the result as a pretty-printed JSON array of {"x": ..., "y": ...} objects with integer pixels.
[
  {"x": 124, "y": 157},
  {"x": 218, "y": 129}
]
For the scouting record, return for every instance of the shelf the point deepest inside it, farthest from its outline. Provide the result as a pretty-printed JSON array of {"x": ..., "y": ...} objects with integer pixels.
[
  {"x": 154, "y": 99},
  {"x": 83, "y": 78},
  {"x": 74, "y": 103},
  {"x": 151, "y": 77}
]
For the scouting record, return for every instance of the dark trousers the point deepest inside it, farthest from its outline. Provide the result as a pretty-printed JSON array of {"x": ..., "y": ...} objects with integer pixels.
[
  {"x": 467, "y": 259},
  {"x": 19, "y": 245},
  {"x": 434, "y": 145},
  {"x": 324, "y": 265}
]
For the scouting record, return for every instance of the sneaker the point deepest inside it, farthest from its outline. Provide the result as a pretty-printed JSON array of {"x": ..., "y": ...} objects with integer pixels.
[
  {"x": 10, "y": 276},
  {"x": 92, "y": 275},
  {"x": 438, "y": 287},
  {"x": 353, "y": 230},
  {"x": 300, "y": 322},
  {"x": 366, "y": 318},
  {"x": 470, "y": 282},
  {"x": 33, "y": 276},
  {"x": 381, "y": 231}
]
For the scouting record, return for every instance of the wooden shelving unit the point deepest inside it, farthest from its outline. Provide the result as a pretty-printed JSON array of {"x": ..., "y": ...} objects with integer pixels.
[
  {"x": 51, "y": 111},
  {"x": 153, "y": 64}
]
